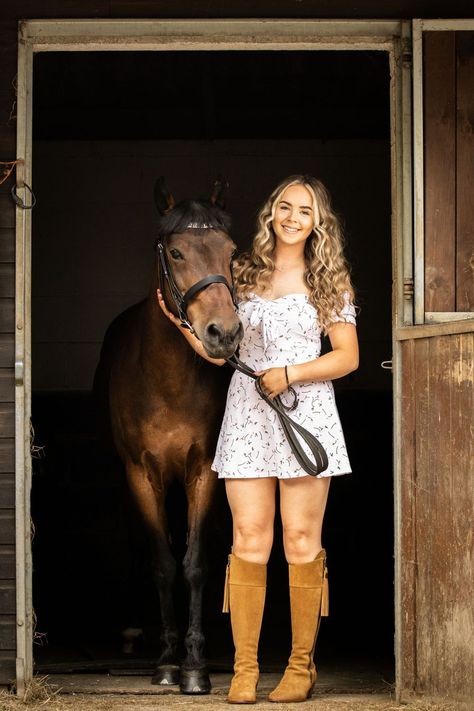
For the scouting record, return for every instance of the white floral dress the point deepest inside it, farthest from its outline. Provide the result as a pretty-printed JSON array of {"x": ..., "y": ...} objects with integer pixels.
[{"x": 283, "y": 331}]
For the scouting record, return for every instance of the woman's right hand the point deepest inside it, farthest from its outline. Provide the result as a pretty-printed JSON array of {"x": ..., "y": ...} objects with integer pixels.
[{"x": 174, "y": 319}]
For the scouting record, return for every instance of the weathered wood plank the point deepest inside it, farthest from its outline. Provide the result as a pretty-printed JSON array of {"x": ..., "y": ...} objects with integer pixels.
[
  {"x": 439, "y": 170},
  {"x": 7, "y": 419},
  {"x": 465, "y": 172},
  {"x": 7, "y": 597},
  {"x": 7, "y": 245},
  {"x": 7, "y": 280},
  {"x": 7, "y": 455},
  {"x": 431, "y": 330},
  {"x": 422, "y": 502},
  {"x": 7, "y": 527},
  {"x": 7, "y": 490},
  {"x": 7, "y": 667},
  {"x": 7, "y": 315},
  {"x": 444, "y": 510},
  {"x": 7, "y": 563},
  {"x": 7, "y": 212},
  {"x": 7, "y": 632},
  {"x": 459, "y": 629},
  {"x": 7, "y": 350},
  {"x": 7, "y": 385},
  {"x": 408, "y": 515}
]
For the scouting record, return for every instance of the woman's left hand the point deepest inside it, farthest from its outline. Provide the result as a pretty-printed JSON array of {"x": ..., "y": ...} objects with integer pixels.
[{"x": 273, "y": 381}]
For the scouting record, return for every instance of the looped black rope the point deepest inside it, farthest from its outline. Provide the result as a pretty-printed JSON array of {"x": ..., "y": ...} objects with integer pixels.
[
  {"x": 291, "y": 428},
  {"x": 19, "y": 201}
]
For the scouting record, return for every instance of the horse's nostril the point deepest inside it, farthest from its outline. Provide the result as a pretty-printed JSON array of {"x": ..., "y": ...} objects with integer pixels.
[
  {"x": 215, "y": 331},
  {"x": 237, "y": 331}
]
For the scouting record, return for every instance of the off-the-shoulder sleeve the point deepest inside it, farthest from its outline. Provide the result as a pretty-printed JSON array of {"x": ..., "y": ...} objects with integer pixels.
[{"x": 348, "y": 312}]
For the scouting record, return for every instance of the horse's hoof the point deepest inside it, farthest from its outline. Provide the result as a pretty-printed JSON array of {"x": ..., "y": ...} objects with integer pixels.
[
  {"x": 194, "y": 681},
  {"x": 166, "y": 675}
]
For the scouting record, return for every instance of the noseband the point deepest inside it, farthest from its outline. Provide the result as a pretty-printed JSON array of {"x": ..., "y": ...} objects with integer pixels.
[{"x": 181, "y": 301}]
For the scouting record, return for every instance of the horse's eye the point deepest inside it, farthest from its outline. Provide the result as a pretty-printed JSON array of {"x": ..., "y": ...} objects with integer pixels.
[{"x": 176, "y": 254}]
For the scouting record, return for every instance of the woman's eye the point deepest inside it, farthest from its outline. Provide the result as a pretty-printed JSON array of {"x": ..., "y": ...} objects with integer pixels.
[{"x": 176, "y": 254}]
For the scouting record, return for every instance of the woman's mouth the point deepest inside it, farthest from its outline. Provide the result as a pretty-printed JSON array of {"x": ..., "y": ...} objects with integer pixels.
[{"x": 290, "y": 230}]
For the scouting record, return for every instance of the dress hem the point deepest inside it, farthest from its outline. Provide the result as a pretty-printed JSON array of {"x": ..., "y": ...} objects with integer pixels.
[{"x": 276, "y": 476}]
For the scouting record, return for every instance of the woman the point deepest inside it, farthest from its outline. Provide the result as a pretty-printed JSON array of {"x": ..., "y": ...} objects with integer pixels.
[{"x": 293, "y": 286}]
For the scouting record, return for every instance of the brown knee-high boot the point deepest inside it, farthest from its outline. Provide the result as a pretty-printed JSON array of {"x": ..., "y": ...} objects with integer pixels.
[
  {"x": 245, "y": 596},
  {"x": 308, "y": 602}
]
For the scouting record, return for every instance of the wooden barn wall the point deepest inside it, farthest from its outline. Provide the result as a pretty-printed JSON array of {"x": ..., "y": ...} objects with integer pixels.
[
  {"x": 8, "y": 54},
  {"x": 449, "y": 170},
  {"x": 437, "y": 512}
]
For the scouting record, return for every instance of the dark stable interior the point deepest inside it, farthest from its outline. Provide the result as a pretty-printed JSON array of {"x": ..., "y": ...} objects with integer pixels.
[{"x": 91, "y": 576}]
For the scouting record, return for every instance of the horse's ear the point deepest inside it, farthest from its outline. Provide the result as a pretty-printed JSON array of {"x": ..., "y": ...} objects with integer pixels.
[
  {"x": 218, "y": 191},
  {"x": 164, "y": 201}
]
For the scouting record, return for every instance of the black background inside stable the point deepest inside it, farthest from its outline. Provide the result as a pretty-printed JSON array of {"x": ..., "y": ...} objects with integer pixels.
[{"x": 91, "y": 575}]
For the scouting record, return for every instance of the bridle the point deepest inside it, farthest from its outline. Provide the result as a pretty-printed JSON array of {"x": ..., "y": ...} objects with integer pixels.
[
  {"x": 181, "y": 301},
  {"x": 290, "y": 427}
]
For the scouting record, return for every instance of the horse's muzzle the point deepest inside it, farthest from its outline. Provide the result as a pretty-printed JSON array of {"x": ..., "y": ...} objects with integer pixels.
[{"x": 221, "y": 342}]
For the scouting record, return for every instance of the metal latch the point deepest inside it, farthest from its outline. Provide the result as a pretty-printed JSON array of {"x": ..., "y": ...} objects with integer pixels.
[{"x": 386, "y": 364}]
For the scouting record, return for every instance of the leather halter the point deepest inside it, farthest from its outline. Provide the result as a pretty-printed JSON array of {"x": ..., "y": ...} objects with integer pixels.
[{"x": 290, "y": 427}]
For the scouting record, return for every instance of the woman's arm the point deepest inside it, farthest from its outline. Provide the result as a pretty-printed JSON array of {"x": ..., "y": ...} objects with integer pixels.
[
  {"x": 341, "y": 360},
  {"x": 194, "y": 342}
]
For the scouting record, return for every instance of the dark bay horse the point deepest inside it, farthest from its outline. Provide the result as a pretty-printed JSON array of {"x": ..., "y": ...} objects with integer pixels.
[{"x": 166, "y": 405}]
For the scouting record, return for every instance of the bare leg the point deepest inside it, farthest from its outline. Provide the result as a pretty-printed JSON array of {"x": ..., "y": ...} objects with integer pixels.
[
  {"x": 252, "y": 503},
  {"x": 302, "y": 505}
]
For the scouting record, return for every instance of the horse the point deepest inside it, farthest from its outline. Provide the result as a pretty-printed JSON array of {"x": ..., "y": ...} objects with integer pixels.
[{"x": 166, "y": 405}]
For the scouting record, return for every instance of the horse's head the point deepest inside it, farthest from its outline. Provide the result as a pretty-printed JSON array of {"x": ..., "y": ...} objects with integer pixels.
[{"x": 194, "y": 265}]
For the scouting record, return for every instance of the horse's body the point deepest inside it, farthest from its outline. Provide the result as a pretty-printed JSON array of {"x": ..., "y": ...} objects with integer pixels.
[{"x": 166, "y": 405}]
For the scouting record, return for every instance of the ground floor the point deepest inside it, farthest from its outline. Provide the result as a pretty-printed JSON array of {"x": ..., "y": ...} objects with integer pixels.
[{"x": 345, "y": 692}]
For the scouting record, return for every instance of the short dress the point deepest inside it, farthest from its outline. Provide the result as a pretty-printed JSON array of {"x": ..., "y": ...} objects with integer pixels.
[{"x": 252, "y": 444}]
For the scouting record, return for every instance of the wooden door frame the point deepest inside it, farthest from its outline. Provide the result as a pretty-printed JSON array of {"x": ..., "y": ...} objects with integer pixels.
[
  {"x": 198, "y": 35},
  {"x": 419, "y": 27}
]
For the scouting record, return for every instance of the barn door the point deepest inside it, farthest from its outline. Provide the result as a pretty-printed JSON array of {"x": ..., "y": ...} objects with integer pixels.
[{"x": 435, "y": 448}]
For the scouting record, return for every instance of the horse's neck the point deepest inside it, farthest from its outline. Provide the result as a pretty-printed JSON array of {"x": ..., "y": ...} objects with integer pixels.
[{"x": 161, "y": 342}]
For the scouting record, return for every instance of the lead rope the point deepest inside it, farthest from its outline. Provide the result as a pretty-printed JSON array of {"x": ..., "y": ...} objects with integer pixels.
[{"x": 291, "y": 428}]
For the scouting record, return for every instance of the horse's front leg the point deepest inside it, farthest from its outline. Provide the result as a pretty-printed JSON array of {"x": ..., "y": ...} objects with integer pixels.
[
  {"x": 151, "y": 504},
  {"x": 200, "y": 492}
]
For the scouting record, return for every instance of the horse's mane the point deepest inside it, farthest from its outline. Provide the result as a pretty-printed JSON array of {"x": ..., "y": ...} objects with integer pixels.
[{"x": 199, "y": 214}]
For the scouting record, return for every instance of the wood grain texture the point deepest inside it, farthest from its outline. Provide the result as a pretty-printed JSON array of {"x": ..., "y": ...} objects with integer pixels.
[
  {"x": 465, "y": 172},
  {"x": 7, "y": 491},
  {"x": 7, "y": 597},
  {"x": 7, "y": 245},
  {"x": 7, "y": 419},
  {"x": 7, "y": 315},
  {"x": 7, "y": 211},
  {"x": 7, "y": 385},
  {"x": 7, "y": 527},
  {"x": 7, "y": 667},
  {"x": 7, "y": 350},
  {"x": 439, "y": 170},
  {"x": 7, "y": 632},
  {"x": 7, "y": 455},
  {"x": 408, "y": 516},
  {"x": 7, "y": 562},
  {"x": 7, "y": 280},
  {"x": 439, "y": 627}
]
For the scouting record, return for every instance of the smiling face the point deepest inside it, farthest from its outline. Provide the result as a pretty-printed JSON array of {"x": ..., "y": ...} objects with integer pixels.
[{"x": 294, "y": 217}]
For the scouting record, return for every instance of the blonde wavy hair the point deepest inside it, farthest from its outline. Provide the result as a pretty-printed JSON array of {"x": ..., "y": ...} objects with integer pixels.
[{"x": 326, "y": 274}]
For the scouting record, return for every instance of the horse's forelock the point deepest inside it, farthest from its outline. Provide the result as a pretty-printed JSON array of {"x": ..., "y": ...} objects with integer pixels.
[{"x": 193, "y": 214}]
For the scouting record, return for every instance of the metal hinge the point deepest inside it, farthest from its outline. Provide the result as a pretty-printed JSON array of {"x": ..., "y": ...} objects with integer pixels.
[{"x": 408, "y": 288}]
